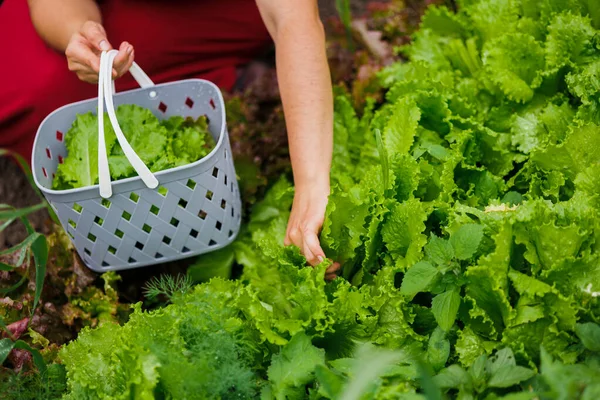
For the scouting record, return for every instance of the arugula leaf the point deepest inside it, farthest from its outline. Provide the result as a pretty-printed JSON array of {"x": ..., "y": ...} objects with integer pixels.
[
  {"x": 445, "y": 307},
  {"x": 509, "y": 375},
  {"x": 589, "y": 334},
  {"x": 438, "y": 349},
  {"x": 466, "y": 240},
  {"x": 439, "y": 250},
  {"x": 419, "y": 278}
]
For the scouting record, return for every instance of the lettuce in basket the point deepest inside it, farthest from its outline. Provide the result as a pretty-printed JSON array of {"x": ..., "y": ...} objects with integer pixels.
[{"x": 160, "y": 144}]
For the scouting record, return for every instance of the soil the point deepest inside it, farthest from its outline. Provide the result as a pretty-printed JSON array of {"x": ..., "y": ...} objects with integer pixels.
[
  {"x": 327, "y": 7},
  {"x": 16, "y": 191}
]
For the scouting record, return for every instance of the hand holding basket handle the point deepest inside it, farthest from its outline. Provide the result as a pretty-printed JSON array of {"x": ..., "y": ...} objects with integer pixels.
[{"x": 105, "y": 96}]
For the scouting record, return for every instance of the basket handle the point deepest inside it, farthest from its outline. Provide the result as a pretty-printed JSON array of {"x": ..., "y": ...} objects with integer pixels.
[{"x": 105, "y": 95}]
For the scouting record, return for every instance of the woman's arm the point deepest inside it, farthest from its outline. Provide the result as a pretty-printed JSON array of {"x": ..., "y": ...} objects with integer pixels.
[
  {"x": 306, "y": 93},
  {"x": 75, "y": 28},
  {"x": 56, "y": 21}
]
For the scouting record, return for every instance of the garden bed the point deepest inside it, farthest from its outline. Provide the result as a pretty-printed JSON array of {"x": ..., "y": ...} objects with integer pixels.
[{"x": 464, "y": 212}]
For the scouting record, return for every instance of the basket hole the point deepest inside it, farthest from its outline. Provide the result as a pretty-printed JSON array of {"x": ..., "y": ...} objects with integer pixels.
[
  {"x": 154, "y": 210},
  {"x": 119, "y": 234},
  {"x": 104, "y": 264},
  {"x": 218, "y": 225},
  {"x": 59, "y": 136},
  {"x": 126, "y": 216},
  {"x": 231, "y": 187},
  {"x": 185, "y": 250},
  {"x": 53, "y": 175},
  {"x": 134, "y": 197},
  {"x": 86, "y": 251},
  {"x": 230, "y": 233},
  {"x": 215, "y": 172},
  {"x": 232, "y": 212},
  {"x": 105, "y": 203},
  {"x": 131, "y": 260},
  {"x": 44, "y": 172},
  {"x": 163, "y": 191},
  {"x": 182, "y": 203},
  {"x": 223, "y": 204},
  {"x": 212, "y": 104},
  {"x": 194, "y": 233},
  {"x": 212, "y": 242},
  {"x": 147, "y": 228},
  {"x": 98, "y": 221},
  {"x": 77, "y": 208},
  {"x": 139, "y": 246},
  {"x": 71, "y": 235},
  {"x": 202, "y": 214},
  {"x": 60, "y": 159},
  {"x": 166, "y": 240},
  {"x": 191, "y": 184},
  {"x": 189, "y": 102},
  {"x": 73, "y": 224},
  {"x": 225, "y": 154},
  {"x": 174, "y": 222},
  {"x": 209, "y": 195},
  {"x": 48, "y": 153},
  {"x": 91, "y": 237},
  {"x": 162, "y": 107},
  {"x": 158, "y": 255},
  {"x": 225, "y": 180},
  {"x": 112, "y": 250}
]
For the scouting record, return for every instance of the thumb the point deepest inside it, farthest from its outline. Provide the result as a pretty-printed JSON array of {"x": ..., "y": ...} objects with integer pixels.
[{"x": 96, "y": 36}]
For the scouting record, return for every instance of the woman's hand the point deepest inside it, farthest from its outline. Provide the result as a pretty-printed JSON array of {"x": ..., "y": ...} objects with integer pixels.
[
  {"x": 84, "y": 48},
  {"x": 306, "y": 220},
  {"x": 306, "y": 94}
]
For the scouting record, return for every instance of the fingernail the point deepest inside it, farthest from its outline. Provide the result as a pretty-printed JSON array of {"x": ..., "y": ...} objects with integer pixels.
[
  {"x": 104, "y": 45},
  {"x": 320, "y": 258},
  {"x": 129, "y": 50}
]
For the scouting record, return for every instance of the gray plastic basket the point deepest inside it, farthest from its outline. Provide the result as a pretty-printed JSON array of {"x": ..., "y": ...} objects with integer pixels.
[{"x": 196, "y": 208}]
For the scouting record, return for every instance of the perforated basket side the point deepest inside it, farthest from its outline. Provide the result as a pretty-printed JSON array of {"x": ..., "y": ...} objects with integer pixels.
[
  {"x": 196, "y": 209},
  {"x": 143, "y": 227}
]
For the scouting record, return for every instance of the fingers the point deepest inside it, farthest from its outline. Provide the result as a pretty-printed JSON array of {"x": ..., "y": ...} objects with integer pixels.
[
  {"x": 123, "y": 60},
  {"x": 308, "y": 242},
  {"x": 94, "y": 33},
  {"x": 294, "y": 236},
  {"x": 83, "y": 53},
  {"x": 312, "y": 248},
  {"x": 80, "y": 55},
  {"x": 333, "y": 270}
]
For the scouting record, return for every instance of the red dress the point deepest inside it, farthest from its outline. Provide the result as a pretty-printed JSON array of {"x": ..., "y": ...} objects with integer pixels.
[{"x": 173, "y": 40}]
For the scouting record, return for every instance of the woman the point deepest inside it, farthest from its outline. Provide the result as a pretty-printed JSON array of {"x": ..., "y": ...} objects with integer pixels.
[{"x": 174, "y": 40}]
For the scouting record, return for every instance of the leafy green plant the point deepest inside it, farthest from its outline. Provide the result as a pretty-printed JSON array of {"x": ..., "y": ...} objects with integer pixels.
[
  {"x": 29, "y": 386},
  {"x": 464, "y": 211},
  {"x": 33, "y": 246},
  {"x": 499, "y": 371},
  {"x": 160, "y": 144},
  {"x": 168, "y": 286}
]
